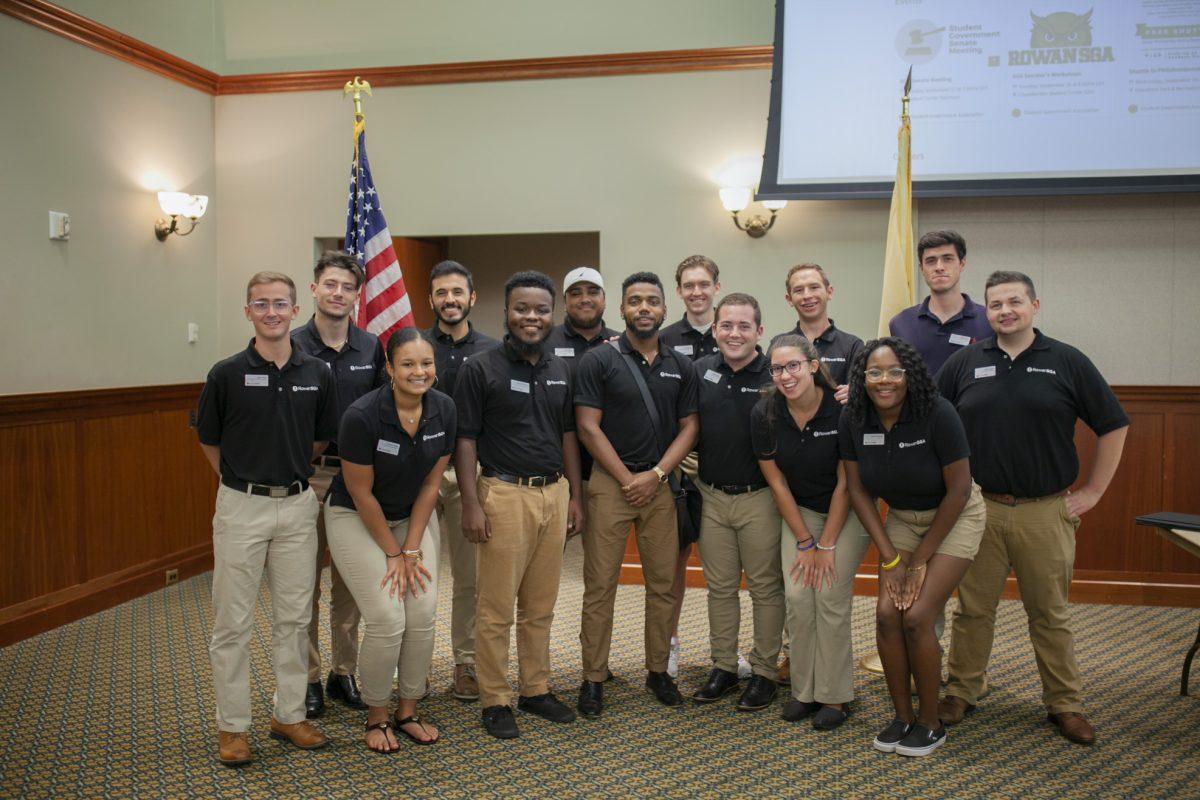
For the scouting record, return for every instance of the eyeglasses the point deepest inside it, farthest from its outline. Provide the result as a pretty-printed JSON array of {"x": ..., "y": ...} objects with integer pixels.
[
  {"x": 791, "y": 367},
  {"x": 278, "y": 306},
  {"x": 875, "y": 375}
]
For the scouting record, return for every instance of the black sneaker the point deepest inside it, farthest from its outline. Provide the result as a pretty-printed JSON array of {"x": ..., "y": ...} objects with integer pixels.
[
  {"x": 546, "y": 706},
  {"x": 921, "y": 741},
  {"x": 500, "y": 722},
  {"x": 889, "y": 737},
  {"x": 663, "y": 687}
]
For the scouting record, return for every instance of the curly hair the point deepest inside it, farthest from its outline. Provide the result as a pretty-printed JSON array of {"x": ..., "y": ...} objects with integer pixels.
[
  {"x": 776, "y": 403},
  {"x": 922, "y": 392}
]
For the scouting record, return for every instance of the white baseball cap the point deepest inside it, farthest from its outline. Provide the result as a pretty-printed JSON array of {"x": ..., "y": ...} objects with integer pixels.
[{"x": 582, "y": 275}]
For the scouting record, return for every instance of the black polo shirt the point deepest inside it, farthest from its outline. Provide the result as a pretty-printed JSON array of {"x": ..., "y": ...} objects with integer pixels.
[
  {"x": 682, "y": 338},
  {"x": 836, "y": 348},
  {"x": 449, "y": 355},
  {"x": 264, "y": 419},
  {"x": 726, "y": 399},
  {"x": 516, "y": 411},
  {"x": 357, "y": 368},
  {"x": 1020, "y": 414},
  {"x": 807, "y": 458},
  {"x": 904, "y": 465},
  {"x": 567, "y": 343},
  {"x": 603, "y": 381},
  {"x": 371, "y": 435}
]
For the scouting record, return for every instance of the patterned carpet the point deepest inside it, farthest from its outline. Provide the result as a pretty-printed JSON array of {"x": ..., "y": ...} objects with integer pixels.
[{"x": 121, "y": 705}]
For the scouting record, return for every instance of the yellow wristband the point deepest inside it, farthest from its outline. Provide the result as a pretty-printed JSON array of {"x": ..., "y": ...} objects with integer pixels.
[{"x": 891, "y": 564}]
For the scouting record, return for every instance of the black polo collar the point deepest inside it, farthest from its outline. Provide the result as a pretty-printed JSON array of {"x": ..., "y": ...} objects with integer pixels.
[
  {"x": 256, "y": 360},
  {"x": 828, "y": 408},
  {"x": 825, "y": 337},
  {"x": 1040, "y": 342},
  {"x": 756, "y": 365},
  {"x": 356, "y": 337},
  {"x": 515, "y": 356},
  {"x": 570, "y": 331},
  {"x": 441, "y": 335},
  {"x": 873, "y": 416},
  {"x": 387, "y": 409}
]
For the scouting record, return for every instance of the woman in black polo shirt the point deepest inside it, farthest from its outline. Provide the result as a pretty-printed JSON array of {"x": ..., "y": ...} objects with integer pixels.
[
  {"x": 902, "y": 442},
  {"x": 794, "y": 433},
  {"x": 394, "y": 443}
]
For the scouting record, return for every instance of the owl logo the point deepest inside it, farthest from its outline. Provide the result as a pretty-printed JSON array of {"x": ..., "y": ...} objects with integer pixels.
[{"x": 1062, "y": 29}]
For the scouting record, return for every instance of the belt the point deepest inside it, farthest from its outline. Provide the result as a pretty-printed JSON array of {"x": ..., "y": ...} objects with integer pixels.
[
  {"x": 1012, "y": 500},
  {"x": 746, "y": 489},
  {"x": 328, "y": 461},
  {"x": 263, "y": 490},
  {"x": 524, "y": 480},
  {"x": 639, "y": 466}
]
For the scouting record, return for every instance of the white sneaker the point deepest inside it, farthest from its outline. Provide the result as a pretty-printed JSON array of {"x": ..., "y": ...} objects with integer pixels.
[
  {"x": 673, "y": 659},
  {"x": 744, "y": 668}
]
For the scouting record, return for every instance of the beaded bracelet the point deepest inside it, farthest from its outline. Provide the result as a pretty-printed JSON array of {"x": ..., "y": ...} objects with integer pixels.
[
  {"x": 827, "y": 549},
  {"x": 811, "y": 544}
]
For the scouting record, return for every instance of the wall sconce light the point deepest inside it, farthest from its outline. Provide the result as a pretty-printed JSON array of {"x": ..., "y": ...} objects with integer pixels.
[
  {"x": 177, "y": 205},
  {"x": 736, "y": 198}
]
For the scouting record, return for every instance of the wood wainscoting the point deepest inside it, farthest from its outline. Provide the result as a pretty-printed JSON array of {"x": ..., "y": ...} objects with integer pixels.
[
  {"x": 101, "y": 492},
  {"x": 1116, "y": 561}
]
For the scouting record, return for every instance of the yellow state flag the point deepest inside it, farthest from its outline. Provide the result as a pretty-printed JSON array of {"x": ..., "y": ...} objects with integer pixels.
[{"x": 898, "y": 256}]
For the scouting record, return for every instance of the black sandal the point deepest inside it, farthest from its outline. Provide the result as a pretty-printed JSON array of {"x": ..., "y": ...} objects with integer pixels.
[
  {"x": 413, "y": 720},
  {"x": 384, "y": 726}
]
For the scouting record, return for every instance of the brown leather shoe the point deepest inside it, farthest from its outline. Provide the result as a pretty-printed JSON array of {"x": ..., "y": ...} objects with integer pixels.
[
  {"x": 233, "y": 749},
  {"x": 784, "y": 678},
  {"x": 951, "y": 709},
  {"x": 1074, "y": 726},
  {"x": 303, "y": 734},
  {"x": 466, "y": 686}
]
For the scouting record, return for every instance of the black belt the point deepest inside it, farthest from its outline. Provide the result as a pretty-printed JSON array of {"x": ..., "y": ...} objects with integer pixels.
[
  {"x": 745, "y": 489},
  {"x": 524, "y": 480},
  {"x": 638, "y": 467},
  {"x": 327, "y": 461},
  {"x": 263, "y": 490}
]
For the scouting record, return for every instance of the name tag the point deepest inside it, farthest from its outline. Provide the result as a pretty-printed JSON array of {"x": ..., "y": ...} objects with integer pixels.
[
  {"x": 959, "y": 339},
  {"x": 258, "y": 380},
  {"x": 985, "y": 372},
  {"x": 686, "y": 349},
  {"x": 712, "y": 376},
  {"x": 518, "y": 386},
  {"x": 870, "y": 439},
  {"x": 391, "y": 448},
  {"x": 564, "y": 352}
]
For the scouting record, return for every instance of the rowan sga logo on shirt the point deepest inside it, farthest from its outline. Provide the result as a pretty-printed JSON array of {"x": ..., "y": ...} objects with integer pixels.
[
  {"x": 917, "y": 443},
  {"x": 306, "y": 388}
]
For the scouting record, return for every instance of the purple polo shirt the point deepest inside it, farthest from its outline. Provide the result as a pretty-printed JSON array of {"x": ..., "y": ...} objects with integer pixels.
[{"x": 935, "y": 340}]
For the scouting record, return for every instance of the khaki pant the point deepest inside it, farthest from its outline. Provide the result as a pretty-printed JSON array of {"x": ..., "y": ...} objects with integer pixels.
[
  {"x": 741, "y": 533},
  {"x": 822, "y": 658},
  {"x": 609, "y": 518},
  {"x": 520, "y": 564},
  {"x": 1037, "y": 541},
  {"x": 246, "y": 530},
  {"x": 462, "y": 570},
  {"x": 343, "y": 613},
  {"x": 397, "y": 632}
]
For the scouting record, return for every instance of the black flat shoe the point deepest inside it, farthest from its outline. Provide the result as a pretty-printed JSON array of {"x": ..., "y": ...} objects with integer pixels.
[
  {"x": 344, "y": 689},
  {"x": 500, "y": 722},
  {"x": 759, "y": 693},
  {"x": 663, "y": 687},
  {"x": 591, "y": 698},
  {"x": 795, "y": 710},
  {"x": 720, "y": 683},
  {"x": 546, "y": 706},
  {"x": 314, "y": 700},
  {"x": 828, "y": 718}
]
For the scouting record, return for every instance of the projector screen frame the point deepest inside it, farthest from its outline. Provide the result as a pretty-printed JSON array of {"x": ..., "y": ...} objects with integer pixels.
[{"x": 770, "y": 189}]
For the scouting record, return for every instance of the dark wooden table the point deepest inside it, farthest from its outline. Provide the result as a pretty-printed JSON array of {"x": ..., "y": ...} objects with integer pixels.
[{"x": 1182, "y": 530}]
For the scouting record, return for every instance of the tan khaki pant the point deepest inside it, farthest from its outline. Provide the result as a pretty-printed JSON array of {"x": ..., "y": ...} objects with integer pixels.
[
  {"x": 609, "y": 519},
  {"x": 822, "y": 658},
  {"x": 246, "y": 530},
  {"x": 462, "y": 570},
  {"x": 397, "y": 632},
  {"x": 520, "y": 564},
  {"x": 1037, "y": 541},
  {"x": 343, "y": 613},
  {"x": 741, "y": 533}
]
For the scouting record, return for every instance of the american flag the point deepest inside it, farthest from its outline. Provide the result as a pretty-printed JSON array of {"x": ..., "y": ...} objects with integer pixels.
[{"x": 383, "y": 306}]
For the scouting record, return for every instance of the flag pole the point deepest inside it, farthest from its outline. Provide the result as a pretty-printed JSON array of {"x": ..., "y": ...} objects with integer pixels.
[{"x": 357, "y": 87}]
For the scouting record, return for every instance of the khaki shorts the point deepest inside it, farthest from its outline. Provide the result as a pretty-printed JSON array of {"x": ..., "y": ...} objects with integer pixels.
[{"x": 906, "y": 528}]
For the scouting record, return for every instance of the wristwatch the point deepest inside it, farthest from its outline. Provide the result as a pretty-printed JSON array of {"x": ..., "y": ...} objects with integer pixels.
[{"x": 662, "y": 476}]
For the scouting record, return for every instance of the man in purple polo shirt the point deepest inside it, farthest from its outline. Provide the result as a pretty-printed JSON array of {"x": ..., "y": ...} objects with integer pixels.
[{"x": 947, "y": 320}]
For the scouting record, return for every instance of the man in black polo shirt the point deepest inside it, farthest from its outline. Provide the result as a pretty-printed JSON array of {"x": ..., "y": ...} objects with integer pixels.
[
  {"x": 455, "y": 341},
  {"x": 1020, "y": 394},
  {"x": 356, "y": 360},
  {"x": 629, "y": 481},
  {"x": 740, "y": 526},
  {"x": 809, "y": 292},
  {"x": 264, "y": 415},
  {"x": 697, "y": 282},
  {"x": 515, "y": 418}
]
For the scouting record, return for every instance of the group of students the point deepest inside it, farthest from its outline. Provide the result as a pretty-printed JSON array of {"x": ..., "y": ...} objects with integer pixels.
[{"x": 961, "y": 422}]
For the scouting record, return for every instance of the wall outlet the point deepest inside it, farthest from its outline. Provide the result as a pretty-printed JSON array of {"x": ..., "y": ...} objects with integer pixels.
[
  {"x": 172, "y": 577},
  {"x": 60, "y": 226}
]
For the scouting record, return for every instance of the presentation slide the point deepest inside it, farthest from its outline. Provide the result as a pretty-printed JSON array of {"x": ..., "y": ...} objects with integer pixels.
[{"x": 1001, "y": 89}]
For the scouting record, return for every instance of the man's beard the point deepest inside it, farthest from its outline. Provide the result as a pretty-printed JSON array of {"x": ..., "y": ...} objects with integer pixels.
[
  {"x": 524, "y": 348},
  {"x": 583, "y": 324},
  {"x": 643, "y": 335},
  {"x": 466, "y": 312}
]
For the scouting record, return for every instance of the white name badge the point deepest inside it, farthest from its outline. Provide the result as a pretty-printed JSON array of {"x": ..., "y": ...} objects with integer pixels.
[
  {"x": 686, "y": 349},
  {"x": 959, "y": 339},
  {"x": 391, "y": 448},
  {"x": 870, "y": 439},
  {"x": 985, "y": 372},
  {"x": 519, "y": 386},
  {"x": 258, "y": 380},
  {"x": 712, "y": 376},
  {"x": 564, "y": 352}
]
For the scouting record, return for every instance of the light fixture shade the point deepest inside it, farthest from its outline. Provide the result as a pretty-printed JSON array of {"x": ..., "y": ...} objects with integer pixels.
[
  {"x": 735, "y": 198},
  {"x": 199, "y": 204},
  {"x": 774, "y": 205},
  {"x": 183, "y": 204}
]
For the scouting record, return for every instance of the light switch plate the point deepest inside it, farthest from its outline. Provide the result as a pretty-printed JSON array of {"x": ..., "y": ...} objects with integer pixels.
[
  {"x": 60, "y": 226},
  {"x": 193, "y": 332}
]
